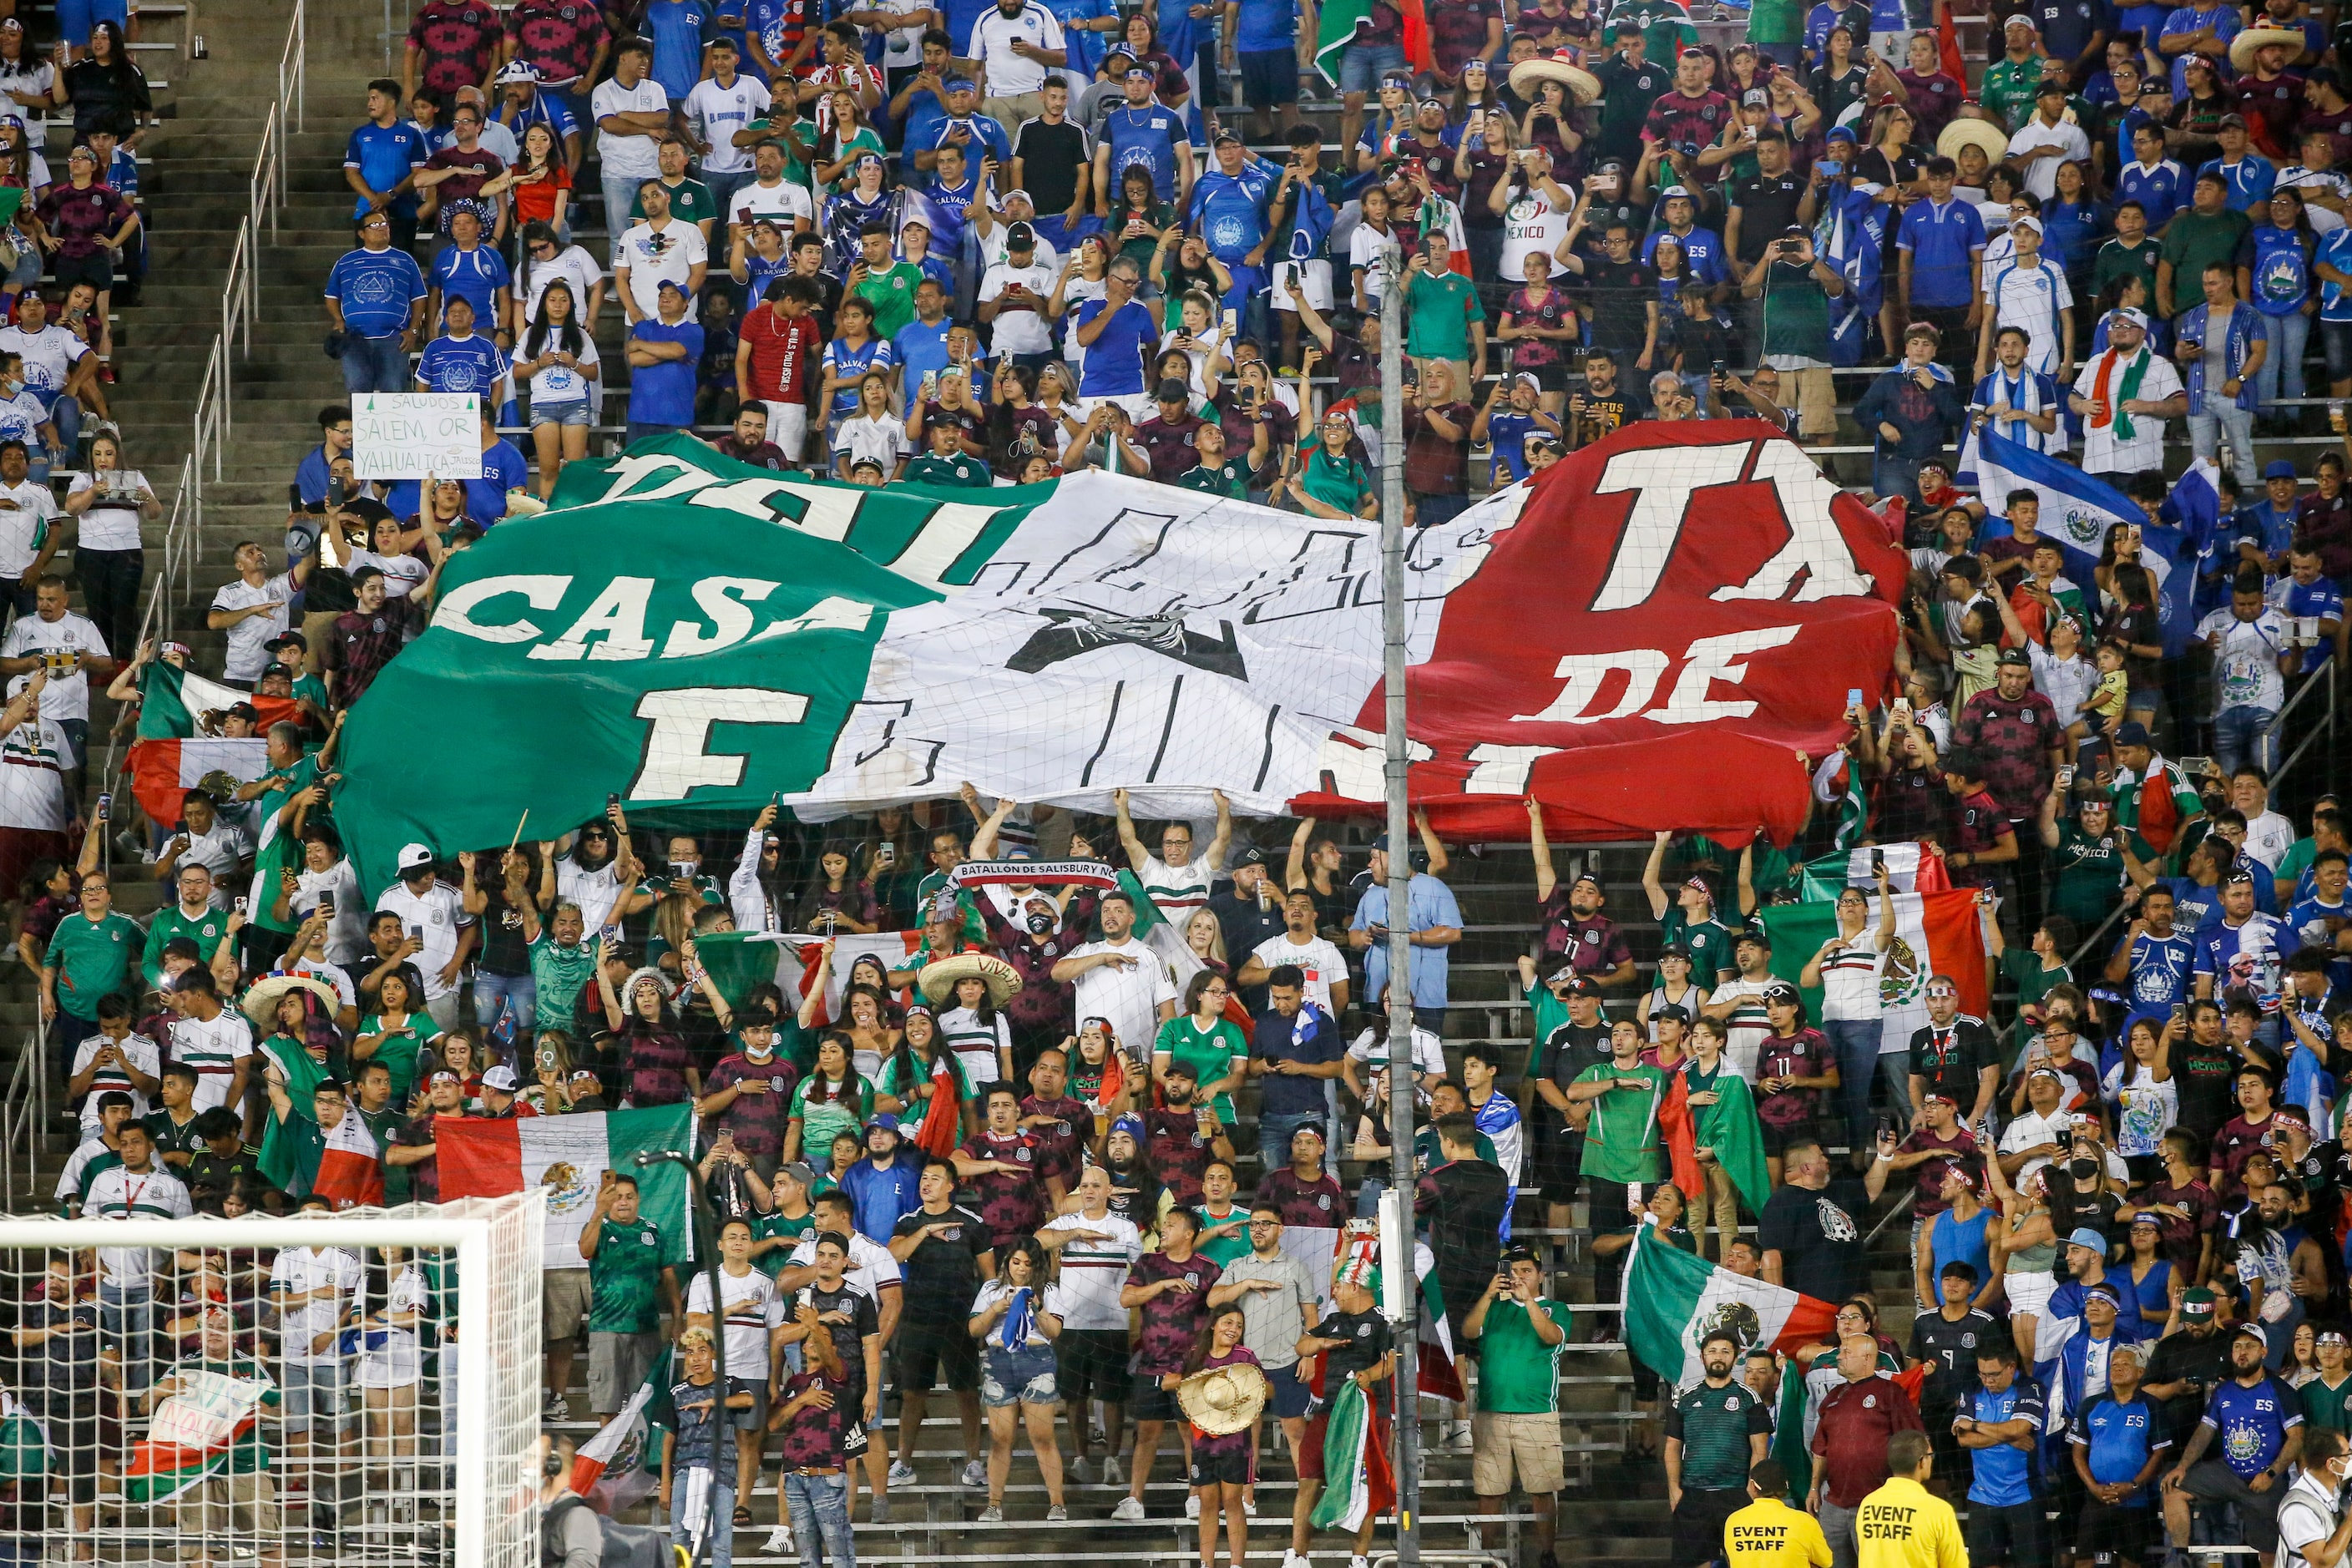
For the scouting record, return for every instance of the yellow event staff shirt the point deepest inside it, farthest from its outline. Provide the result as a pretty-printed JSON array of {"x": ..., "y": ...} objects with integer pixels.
[
  {"x": 1768, "y": 1534},
  {"x": 1903, "y": 1525}
]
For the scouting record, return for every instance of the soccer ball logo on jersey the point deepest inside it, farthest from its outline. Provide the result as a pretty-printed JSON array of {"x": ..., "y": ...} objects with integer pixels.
[{"x": 1837, "y": 1224}]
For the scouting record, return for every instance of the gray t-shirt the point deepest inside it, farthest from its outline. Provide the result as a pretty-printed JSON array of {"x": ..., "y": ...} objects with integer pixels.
[
  {"x": 2217, "y": 351},
  {"x": 1273, "y": 1320}
]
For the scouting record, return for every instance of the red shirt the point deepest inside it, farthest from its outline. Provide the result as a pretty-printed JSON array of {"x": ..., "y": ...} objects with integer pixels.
[
  {"x": 780, "y": 346},
  {"x": 1851, "y": 1441}
]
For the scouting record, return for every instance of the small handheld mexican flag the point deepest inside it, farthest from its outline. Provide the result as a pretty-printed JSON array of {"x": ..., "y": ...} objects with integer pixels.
[
  {"x": 1356, "y": 1458},
  {"x": 1336, "y": 27},
  {"x": 1674, "y": 1299}
]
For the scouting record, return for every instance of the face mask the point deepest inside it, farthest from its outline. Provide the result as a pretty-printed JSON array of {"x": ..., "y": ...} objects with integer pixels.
[
  {"x": 2083, "y": 1170},
  {"x": 1041, "y": 925}
]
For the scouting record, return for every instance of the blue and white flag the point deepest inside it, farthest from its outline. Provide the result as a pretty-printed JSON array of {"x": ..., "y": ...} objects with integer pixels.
[
  {"x": 1852, "y": 237},
  {"x": 2077, "y": 508},
  {"x": 2192, "y": 514}
]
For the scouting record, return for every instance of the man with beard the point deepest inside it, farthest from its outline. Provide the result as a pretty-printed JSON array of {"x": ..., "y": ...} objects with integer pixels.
[
  {"x": 1716, "y": 1432},
  {"x": 2258, "y": 1423},
  {"x": 589, "y": 875},
  {"x": 1571, "y": 920},
  {"x": 1052, "y": 1118}
]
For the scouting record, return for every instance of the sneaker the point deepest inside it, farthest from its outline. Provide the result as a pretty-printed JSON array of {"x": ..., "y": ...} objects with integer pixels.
[
  {"x": 1111, "y": 1475},
  {"x": 1249, "y": 1505},
  {"x": 780, "y": 1541},
  {"x": 902, "y": 1473},
  {"x": 1359, "y": 1562},
  {"x": 1192, "y": 1506},
  {"x": 1296, "y": 1560},
  {"x": 975, "y": 1473},
  {"x": 1131, "y": 1509},
  {"x": 1458, "y": 1440},
  {"x": 881, "y": 1514},
  {"x": 1081, "y": 1472},
  {"x": 1056, "y": 1513},
  {"x": 991, "y": 1514},
  {"x": 557, "y": 1408}
]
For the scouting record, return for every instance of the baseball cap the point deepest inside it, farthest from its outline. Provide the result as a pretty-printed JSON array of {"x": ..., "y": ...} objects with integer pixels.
[
  {"x": 2197, "y": 1303},
  {"x": 671, "y": 286},
  {"x": 2050, "y": 87},
  {"x": 501, "y": 1078},
  {"x": 1014, "y": 195},
  {"x": 2279, "y": 468},
  {"x": 1674, "y": 1010},
  {"x": 1675, "y": 192},
  {"x": 2129, "y": 317},
  {"x": 2231, "y": 122},
  {"x": 2252, "y": 1331},
  {"x": 2016, "y": 655},
  {"x": 1598, "y": 885},
  {"x": 1755, "y": 97},
  {"x": 2085, "y": 1237},
  {"x": 884, "y": 1122},
  {"x": 2131, "y": 733},
  {"x": 2021, "y": 20},
  {"x": 1582, "y": 986},
  {"x": 1228, "y": 134},
  {"x": 1529, "y": 379},
  {"x": 514, "y": 71},
  {"x": 2029, "y": 221},
  {"x": 799, "y": 1171},
  {"x": 1250, "y": 855},
  {"x": 1020, "y": 236},
  {"x": 413, "y": 855}
]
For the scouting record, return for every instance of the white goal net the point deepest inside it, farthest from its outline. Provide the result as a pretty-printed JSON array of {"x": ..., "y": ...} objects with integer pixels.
[{"x": 358, "y": 1388}]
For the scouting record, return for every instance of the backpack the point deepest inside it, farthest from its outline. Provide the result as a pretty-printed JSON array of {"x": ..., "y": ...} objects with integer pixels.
[{"x": 625, "y": 1545}]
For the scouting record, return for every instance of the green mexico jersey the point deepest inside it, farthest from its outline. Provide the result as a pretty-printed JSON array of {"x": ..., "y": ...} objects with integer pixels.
[
  {"x": 625, "y": 1278},
  {"x": 91, "y": 958},
  {"x": 205, "y": 929},
  {"x": 1228, "y": 478},
  {"x": 690, "y": 202},
  {"x": 1518, "y": 1374},
  {"x": 1709, "y": 942},
  {"x": 1713, "y": 1425},
  {"x": 1621, "y": 1141},
  {"x": 934, "y": 470}
]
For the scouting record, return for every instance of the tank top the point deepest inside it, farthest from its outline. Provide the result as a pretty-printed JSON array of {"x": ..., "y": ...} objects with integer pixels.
[{"x": 2031, "y": 1260}]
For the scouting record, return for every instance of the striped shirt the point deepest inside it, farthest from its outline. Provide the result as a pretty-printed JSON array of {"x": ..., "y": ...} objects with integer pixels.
[
  {"x": 213, "y": 1048},
  {"x": 138, "y": 1050},
  {"x": 1178, "y": 889},
  {"x": 976, "y": 1042},
  {"x": 1748, "y": 1026},
  {"x": 752, "y": 1309},
  {"x": 1092, "y": 1272},
  {"x": 32, "y": 790},
  {"x": 120, "y": 1192},
  {"x": 1850, "y": 978},
  {"x": 2032, "y": 298}
]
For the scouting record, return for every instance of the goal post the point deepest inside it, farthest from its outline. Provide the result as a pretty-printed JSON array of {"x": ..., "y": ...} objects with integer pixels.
[{"x": 460, "y": 1487}]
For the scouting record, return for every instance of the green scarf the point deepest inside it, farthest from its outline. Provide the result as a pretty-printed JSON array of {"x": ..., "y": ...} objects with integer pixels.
[{"x": 2129, "y": 389}]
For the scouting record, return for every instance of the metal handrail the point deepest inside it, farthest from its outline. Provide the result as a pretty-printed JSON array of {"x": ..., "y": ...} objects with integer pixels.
[
  {"x": 265, "y": 189},
  {"x": 21, "y": 1118},
  {"x": 291, "y": 76},
  {"x": 2325, "y": 677}
]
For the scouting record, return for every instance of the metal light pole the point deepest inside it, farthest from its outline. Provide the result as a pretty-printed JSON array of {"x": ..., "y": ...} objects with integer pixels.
[
  {"x": 1405, "y": 1395},
  {"x": 697, "y": 1222}
]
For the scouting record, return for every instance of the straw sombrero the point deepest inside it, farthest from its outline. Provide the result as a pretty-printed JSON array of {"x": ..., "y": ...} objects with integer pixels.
[
  {"x": 939, "y": 980},
  {"x": 2242, "y": 47},
  {"x": 1223, "y": 1400},
  {"x": 1560, "y": 66},
  {"x": 1983, "y": 133},
  {"x": 261, "y": 1002}
]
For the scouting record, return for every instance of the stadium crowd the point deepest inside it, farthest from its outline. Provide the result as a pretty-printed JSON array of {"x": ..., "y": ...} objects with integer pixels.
[{"x": 1034, "y": 1155}]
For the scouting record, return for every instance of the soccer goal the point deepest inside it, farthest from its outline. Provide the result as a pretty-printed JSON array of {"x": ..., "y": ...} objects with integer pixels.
[{"x": 358, "y": 1388}]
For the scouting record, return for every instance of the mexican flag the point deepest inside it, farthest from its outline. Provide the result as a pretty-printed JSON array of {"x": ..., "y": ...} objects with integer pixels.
[
  {"x": 589, "y": 1464},
  {"x": 1909, "y": 869},
  {"x": 191, "y": 1435},
  {"x": 1435, "y": 1372},
  {"x": 891, "y": 947},
  {"x": 1164, "y": 937},
  {"x": 344, "y": 1165},
  {"x": 1673, "y": 1299},
  {"x": 1337, "y": 26},
  {"x": 1935, "y": 933},
  {"x": 282, "y": 1160},
  {"x": 566, "y": 1157},
  {"x": 171, "y": 700},
  {"x": 739, "y": 961},
  {"x": 24, "y": 1448},
  {"x": 163, "y": 771},
  {"x": 1355, "y": 1446},
  {"x": 1729, "y": 1128}
]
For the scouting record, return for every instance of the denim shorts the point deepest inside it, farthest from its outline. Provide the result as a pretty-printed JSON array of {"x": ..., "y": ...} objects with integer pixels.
[
  {"x": 566, "y": 414},
  {"x": 1025, "y": 1376},
  {"x": 314, "y": 1392},
  {"x": 1361, "y": 65}
]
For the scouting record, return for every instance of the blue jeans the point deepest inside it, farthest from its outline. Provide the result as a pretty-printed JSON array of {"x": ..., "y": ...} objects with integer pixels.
[
  {"x": 516, "y": 996},
  {"x": 372, "y": 365},
  {"x": 2282, "y": 372},
  {"x": 2224, "y": 421},
  {"x": 2244, "y": 735},
  {"x": 126, "y": 1315},
  {"x": 1362, "y": 65},
  {"x": 819, "y": 1508},
  {"x": 721, "y": 1525},
  {"x": 65, "y": 414},
  {"x": 1274, "y": 1135},
  {"x": 1857, "y": 1040},
  {"x": 723, "y": 186},
  {"x": 1891, "y": 475}
]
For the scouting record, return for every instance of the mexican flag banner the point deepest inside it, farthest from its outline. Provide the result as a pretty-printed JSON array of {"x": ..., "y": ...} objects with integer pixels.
[
  {"x": 192, "y": 1434},
  {"x": 171, "y": 700},
  {"x": 1356, "y": 1459},
  {"x": 163, "y": 771},
  {"x": 1674, "y": 1299},
  {"x": 566, "y": 1157},
  {"x": 1337, "y": 26},
  {"x": 890, "y": 948},
  {"x": 1729, "y": 1128},
  {"x": 282, "y": 1158},
  {"x": 841, "y": 648},
  {"x": 1909, "y": 869},
  {"x": 1935, "y": 933},
  {"x": 342, "y": 1163}
]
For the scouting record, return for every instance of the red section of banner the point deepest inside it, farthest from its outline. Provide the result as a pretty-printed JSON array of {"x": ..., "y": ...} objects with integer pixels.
[
  {"x": 478, "y": 1158},
  {"x": 1668, "y": 631},
  {"x": 1955, "y": 943}
]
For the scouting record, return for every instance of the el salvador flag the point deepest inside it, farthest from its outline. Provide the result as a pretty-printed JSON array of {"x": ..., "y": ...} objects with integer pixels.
[{"x": 2077, "y": 510}]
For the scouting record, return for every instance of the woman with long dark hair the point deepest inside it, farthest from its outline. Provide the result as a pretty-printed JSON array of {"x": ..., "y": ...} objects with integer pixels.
[
  {"x": 112, "y": 501},
  {"x": 1016, "y": 1318},
  {"x": 831, "y": 1100},
  {"x": 655, "y": 1058},
  {"x": 835, "y": 902},
  {"x": 908, "y": 1078},
  {"x": 106, "y": 88},
  {"x": 979, "y": 1036}
]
